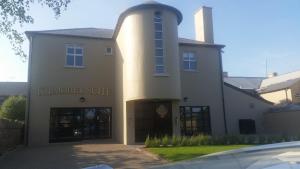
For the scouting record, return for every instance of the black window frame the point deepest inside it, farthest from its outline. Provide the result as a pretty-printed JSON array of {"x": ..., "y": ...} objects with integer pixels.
[{"x": 188, "y": 116}]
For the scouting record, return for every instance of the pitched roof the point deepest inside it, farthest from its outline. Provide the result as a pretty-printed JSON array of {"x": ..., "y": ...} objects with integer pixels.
[
  {"x": 251, "y": 94},
  {"x": 252, "y": 83},
  {"x": 279, "y": 82},
  {"x": 100, "y": 33},
  {"x": 13, "y": 88},
  {"x": 78, "y": 32}
]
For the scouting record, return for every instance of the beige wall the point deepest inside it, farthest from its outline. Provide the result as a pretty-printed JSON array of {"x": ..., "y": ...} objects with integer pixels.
[
  {"x": 281, "y": 96},
  {"x": 243, "y": 106},
  {"x": 282, "y": 123},
  {"x": 295, "y": 92},
  {"x": 135, "y": 70},
  {"x": 204, "y": 86},
  {"x": 135, "y": 45},
  {"x": 48, "y": 71}
]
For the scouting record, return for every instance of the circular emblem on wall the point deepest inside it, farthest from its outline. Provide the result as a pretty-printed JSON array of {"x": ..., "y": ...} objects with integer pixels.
[{"x": 162, "y": 111}]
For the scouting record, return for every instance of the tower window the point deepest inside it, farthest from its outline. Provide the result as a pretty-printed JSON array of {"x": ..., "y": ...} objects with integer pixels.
[{"x": 158, "y": 43}]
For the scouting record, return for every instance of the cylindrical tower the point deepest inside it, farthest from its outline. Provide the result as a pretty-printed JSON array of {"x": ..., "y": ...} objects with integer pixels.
[{"x": 147, "y": 41}]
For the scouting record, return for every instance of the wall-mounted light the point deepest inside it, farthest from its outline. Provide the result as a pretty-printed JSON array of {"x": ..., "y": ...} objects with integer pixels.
[
  {"x": 82, "y": 99},
  {"x": 185, "y": 99}
]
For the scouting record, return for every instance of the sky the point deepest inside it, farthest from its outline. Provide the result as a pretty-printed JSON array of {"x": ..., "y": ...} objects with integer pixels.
[{"x": 255, "y": 32}]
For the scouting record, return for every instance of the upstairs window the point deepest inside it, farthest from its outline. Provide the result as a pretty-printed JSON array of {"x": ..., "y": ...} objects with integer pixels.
[
  {"x": 74, "y": 56},
  {"x": 189, "y": 61},
  {"x": 158, "y": 42}
]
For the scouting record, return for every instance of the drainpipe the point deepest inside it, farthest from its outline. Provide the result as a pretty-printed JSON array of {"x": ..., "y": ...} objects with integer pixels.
[
  {"x": 28, "y": 92},
  {"x": 222, "y": 90}
]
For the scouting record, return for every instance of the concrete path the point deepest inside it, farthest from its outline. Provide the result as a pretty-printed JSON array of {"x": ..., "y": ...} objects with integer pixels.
[
  {"x": 76, "y": 156},
  {"x": 276, "y": 156}
]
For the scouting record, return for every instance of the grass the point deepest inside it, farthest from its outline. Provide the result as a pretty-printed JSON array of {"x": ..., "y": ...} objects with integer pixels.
[{"x": 184, "y": 153}]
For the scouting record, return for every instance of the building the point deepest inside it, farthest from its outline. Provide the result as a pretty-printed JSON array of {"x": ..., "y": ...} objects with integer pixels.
[
  {"x": 281, "y": 89},
  {"x": 250, "y": 84},
  {"x": 137, "y": 80},
  {"x": 12, "y": 89}
]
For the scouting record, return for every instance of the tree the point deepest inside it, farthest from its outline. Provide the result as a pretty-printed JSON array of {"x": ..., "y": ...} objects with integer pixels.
[
  {"x": 13, "y": 12},
  {"x": 14, "y": 108}
]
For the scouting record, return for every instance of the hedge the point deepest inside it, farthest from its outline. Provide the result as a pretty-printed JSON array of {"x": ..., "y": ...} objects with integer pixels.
[{"x": 174, "y": 141}]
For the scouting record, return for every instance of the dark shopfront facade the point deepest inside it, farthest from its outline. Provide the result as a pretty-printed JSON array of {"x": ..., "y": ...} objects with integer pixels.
[{"x": 75, "y": 124}]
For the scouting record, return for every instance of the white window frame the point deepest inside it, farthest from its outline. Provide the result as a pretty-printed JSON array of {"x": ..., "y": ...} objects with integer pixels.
[
  {"x": 106, "y": 53},
  {"x": 189, "y": 60},
  {"x": 74, "y": 46},
  {"x": 159, "y": 48}
]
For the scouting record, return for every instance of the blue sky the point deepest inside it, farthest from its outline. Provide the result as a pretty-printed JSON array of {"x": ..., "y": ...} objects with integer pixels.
[{"x": 251, "y": 30}]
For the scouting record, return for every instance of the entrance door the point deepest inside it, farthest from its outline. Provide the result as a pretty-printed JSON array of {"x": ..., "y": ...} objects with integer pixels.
[
  {"x": 153, "y": 119},
  {"x": 72, "y": 124}
]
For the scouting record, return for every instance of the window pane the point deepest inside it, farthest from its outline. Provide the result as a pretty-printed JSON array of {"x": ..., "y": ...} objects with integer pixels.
[
  {"x": 158, "y": 27},
  {"x": 193, "y": 65},
  {"x": 79, "y": 61},
  {"x": 186, "y": 65},
  {"x": 159, "y": 69},
  {"x": 70, "y": 50},
  {"x": 70, "y": 60},
  {"x": 78, "y": 51},
  {"x": 157, "y": 20},
  {"x": 185, "y": 56},
  {"x": 159, "y": 52},
  {"x": 192, "y": 56},
  {"x": 158, "y": 43},
  {"x": 157, "y": 14},
  {"x": 159, "y": 61},
  {"x": 158, "y": 35},
  {"x": 108, "y": 50},
  {"x": 196, "y": 109}
]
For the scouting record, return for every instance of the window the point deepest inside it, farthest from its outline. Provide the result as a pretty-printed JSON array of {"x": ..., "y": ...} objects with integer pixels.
[
  {"x": 247, "y": 126},
  {"x": 195, "y": 120},
  {"x": 74, "y": 56},
  {"x": 189, "y": 61},
  {"x": 158, "y": 41},
  {"x": 108, "y": 51}
]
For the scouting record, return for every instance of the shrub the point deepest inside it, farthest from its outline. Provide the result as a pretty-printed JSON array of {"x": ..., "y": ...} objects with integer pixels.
[
  {"x": 165, "y": 141},
  {"x": 193, "y": 141},
  {"x": 216, "y": 140},
  {"x": 13, "y": 108},
  {"x": 262, "y": 140},
  {"x": 156, "y": 142},
  {"x": 204, "y": 140},
  {"x": 148, "y": 142},
  {"x": 184, "y": 141},
  {"x": 175, "y": 141}
]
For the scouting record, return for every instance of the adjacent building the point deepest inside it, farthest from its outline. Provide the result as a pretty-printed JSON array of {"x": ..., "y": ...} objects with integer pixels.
[
  {"x": 137, "y": 80},
  {"x": 281, "y": 89}
]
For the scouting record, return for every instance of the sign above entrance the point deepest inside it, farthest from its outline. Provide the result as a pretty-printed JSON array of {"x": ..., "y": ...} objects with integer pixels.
[{"x": 72, "y": 91}]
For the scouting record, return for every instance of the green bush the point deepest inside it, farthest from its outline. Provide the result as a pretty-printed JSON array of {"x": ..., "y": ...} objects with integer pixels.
[
  {"x": 175, "y": 141},
  {"x": 165, "y": 141},
  {"x": 14, "y": 108},
  {"x": 156, "y": 142},
  {"x": 216, "y": 140},
  {"x": 148, "y": 142},
  {"x": 184, "y": 141}
]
